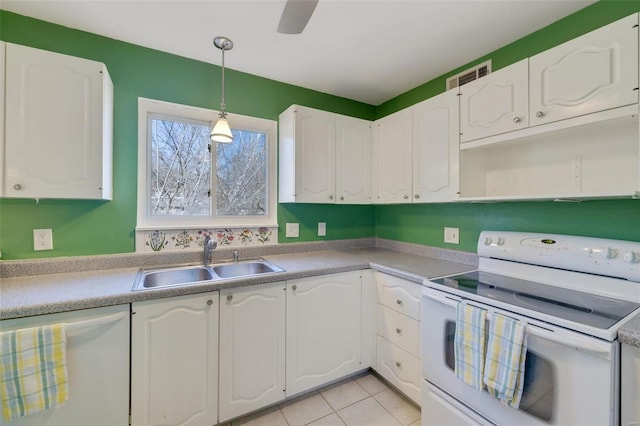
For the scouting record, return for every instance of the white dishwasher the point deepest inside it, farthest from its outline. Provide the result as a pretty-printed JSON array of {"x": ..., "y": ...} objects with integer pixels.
[{"x": 97, "y": 366}]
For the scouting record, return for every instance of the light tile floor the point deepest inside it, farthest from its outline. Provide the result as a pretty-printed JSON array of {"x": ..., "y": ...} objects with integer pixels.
[{"x": 361, "y": 401}]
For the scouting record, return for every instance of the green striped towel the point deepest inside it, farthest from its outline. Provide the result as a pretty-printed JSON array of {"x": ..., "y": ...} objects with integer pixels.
[
  {"x": 506, "y": 354},
  {"x": 33, "y": 370},
  {"x": 469, "y": 341}
]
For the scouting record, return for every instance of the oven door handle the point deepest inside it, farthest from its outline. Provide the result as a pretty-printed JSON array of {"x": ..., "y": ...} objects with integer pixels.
[{"x": 560, "y": 337}]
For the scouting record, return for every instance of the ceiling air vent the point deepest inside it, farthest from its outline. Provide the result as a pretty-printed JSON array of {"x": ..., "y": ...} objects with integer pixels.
[{"x": 469, "y": 75}]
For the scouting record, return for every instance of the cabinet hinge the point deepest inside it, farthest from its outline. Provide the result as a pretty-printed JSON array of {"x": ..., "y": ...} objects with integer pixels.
[
  {"x": 635, "y": 26},
  {"x": 209, "y": 147},
  {"x": 209, "y": 193}
]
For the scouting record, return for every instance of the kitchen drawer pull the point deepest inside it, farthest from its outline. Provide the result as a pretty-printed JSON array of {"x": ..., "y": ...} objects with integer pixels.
[
  {"x": 517, "y": 120},
  {"x": 17, "y": 187},
  {"x": 398, "y": 364},
  {"x": 229, "y": 297},
  {"x": 398, "y": 330},
  {"x": 209, "y": 302},
  {"x": 539, "y": 114},
  {"x": 294, "y": 287},
  {"x": 97, "y": 322},
  {"x": 398, "y": 302}
]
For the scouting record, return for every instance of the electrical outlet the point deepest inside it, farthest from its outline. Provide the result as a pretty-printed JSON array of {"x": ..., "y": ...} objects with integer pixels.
[
  {"x": 322, "y": 229},
  {"x": 452, "y": 235},
  {"x": 42, "y": 239},
  {"x": 292, "y": 230}
]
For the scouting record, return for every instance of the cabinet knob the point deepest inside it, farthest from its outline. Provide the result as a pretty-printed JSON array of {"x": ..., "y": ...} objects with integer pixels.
[
  {"x": 341, "y": 198},
  {"x": 539, "y": 114},
  {"x": 331, "y": 197},
  {"x": 229, "y": 297},
  {"x": 209, "y": 302},
  {"x": 398, "y": 301},
  {"x": 405, "y": 196},
  {"x": 398, "y": 330},
  {"x": 294, "y": 287},
  {"x": 17, "y": 187},
  {"x": 398, "y": 364},
  {"x": 517, "y": 120},
  {"x": 416, "y": 196}
]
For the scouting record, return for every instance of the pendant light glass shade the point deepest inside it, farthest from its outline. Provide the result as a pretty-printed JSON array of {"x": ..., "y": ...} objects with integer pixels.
[{"x": 221, "y": 132}]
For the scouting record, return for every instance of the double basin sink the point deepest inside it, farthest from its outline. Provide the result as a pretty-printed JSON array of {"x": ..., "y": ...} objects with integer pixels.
[{"x": 167, "y": 277}]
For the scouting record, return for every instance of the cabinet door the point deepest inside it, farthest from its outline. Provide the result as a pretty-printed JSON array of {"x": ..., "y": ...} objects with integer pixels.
[
  {"x": 497, "y": 103},
  {"x": 56, "y": 126},
  {"x": 630, "y": 396},
  {"x": 174, "y": 361},
  {"x": 314, "y": 156},
  {"x": 252, "y": 345},
  {"x": 436, "y": 149},
  {"x": 595, "y": 72},
  {"x": 324, "y": 327},
  {"x": 392, "y": 172},
  {"x": 353, "y": 160}
]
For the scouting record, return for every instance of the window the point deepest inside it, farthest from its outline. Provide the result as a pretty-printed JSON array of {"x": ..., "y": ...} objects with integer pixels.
[{"x": 186, "y": 181}]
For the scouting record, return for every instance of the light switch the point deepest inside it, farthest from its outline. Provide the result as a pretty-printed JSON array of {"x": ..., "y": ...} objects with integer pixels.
[
  {"x": 322, "y": 229},
  {"x": 292, "y": 230}
]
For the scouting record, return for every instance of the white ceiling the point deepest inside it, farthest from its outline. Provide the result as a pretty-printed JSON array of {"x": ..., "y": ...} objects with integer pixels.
[{"x": 366, "y": 50}]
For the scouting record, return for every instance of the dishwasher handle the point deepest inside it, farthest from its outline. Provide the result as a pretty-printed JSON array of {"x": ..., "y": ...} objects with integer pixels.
[{"x": 95, "y": 322}]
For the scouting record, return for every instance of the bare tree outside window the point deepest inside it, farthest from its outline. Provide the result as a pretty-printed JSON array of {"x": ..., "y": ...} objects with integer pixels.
[
  {"x": 241, "y": 175},
  {"x": 180, "y": 178}
]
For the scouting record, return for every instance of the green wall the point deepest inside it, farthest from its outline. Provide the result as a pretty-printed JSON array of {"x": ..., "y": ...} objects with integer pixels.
[
  {"x": 424, "y": 223},
  {"x": 103, "y": 227}
]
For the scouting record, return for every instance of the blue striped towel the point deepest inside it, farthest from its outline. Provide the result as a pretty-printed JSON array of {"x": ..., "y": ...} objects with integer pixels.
[
  {"x": 504, "y": 365},
  {"x": 469, "y": 344},
  {"x": 33, "y": 370}
]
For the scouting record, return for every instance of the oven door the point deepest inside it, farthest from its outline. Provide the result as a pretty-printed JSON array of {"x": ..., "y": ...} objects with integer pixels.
[{"x": 570, "y": 378}]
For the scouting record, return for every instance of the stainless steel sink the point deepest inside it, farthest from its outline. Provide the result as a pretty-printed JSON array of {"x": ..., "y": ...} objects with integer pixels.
[
  {"x": 246, "y": 268},
  {"x": 166, "y": 277},
  {"x": 172, "y": 276}
]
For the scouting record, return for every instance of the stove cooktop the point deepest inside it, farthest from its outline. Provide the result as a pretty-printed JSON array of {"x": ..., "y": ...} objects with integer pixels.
[{"x": 580, "y": 307}]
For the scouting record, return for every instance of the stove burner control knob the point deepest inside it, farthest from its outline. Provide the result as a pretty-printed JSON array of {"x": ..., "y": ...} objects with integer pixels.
[
  {"x": 631, "y": 257},
  {"x": 488, "y": 241},
  {"x": 608, "y": 253}
]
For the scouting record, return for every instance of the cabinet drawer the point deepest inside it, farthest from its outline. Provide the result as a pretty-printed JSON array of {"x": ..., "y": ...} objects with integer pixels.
[
  {"x": 400, "y": 295},
  {"x": 399, "y": 330},
  {"x": 400, "y": 368}
]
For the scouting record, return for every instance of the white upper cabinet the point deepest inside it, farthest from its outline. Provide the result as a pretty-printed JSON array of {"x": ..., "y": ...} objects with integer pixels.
[
  {"x": 392, "y": 172},
  {"x": 322, "y": 153},
  {"x": 436, "y": 149},
  {"x": 497, "y": 103},
  {"x": 58, "y": 126},
  {"x": 594, "y": 72},
  {"x": 353, "y": 160}
]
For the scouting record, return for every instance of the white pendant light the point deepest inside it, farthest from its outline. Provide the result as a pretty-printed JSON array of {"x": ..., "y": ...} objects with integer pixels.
[{"x": 221, "y": 132}]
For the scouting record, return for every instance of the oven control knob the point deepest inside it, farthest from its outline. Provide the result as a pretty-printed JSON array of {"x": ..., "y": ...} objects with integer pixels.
[
  {"x": 500, "y": 241},
  {"x": 608, "y": 253},
  {"x": 631, "y": 257},
  {"x": 488, "y": 241}
]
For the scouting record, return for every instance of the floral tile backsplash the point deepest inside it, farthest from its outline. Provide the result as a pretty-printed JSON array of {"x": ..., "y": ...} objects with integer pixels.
[{"x": 192, "y": 239}]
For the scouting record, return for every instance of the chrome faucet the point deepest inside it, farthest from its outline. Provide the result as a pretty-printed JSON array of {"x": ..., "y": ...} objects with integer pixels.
[
  {"x": 235, "y": 256},
  {"x": 209, "y": 245}
]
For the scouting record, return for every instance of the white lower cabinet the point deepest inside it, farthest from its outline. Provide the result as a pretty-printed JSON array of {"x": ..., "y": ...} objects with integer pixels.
[
  {"x": 174, "y": 361},
  {"x": 324, "y": 330},
  {"x": 398, "y": 333},
  {"x": 252, "y": 348}
]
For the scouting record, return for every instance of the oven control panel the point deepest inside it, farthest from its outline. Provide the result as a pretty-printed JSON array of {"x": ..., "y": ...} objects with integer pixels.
[{"x": 616, "y": 258}]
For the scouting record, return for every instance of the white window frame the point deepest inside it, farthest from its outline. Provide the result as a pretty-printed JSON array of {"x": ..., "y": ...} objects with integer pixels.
[{"x": 146, "y": 222}]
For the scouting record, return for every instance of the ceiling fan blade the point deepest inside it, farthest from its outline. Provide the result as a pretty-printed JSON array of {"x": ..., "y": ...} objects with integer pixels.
[{"x": 295, "y": 16}]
